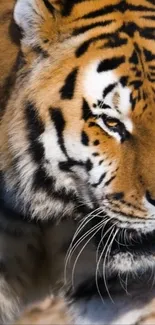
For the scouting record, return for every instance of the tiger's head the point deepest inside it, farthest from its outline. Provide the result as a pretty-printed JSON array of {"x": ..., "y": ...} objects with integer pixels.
[{"x": 78, "y": 132}]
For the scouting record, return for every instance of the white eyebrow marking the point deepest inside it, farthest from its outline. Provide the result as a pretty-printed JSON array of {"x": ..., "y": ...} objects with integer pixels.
[{"x": 116, "y": 102}]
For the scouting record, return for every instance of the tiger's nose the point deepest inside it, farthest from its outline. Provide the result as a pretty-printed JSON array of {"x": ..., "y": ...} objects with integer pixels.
[{"x": 149, "y": 198}]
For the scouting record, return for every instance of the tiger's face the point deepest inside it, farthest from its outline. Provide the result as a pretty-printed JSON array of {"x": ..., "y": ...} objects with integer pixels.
[{"x": 81, "y": 120}]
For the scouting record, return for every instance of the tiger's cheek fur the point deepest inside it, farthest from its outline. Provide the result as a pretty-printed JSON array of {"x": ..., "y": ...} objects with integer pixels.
[{"x": 80, "y": 65}]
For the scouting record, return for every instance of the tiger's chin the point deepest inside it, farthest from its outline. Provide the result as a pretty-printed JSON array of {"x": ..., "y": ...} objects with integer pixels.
[
  {"x": 130, "y": 263},
  {"x": 128, "y": 250}
]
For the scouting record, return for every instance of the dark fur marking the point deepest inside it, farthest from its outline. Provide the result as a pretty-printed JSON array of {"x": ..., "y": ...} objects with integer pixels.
[
  {"x": 87, "y": 113},
  {"x": 68, "y": 6},
  {"x": 109, "y": 181},
  {"x": 84, "y": 138},
  {"x": 96, "y": 142},
  {"x": 41, "y": 180},
  {"x": 67, "y": 91},
  {"x": 150, "y": 17},
  {"x": 91, "y": 124},
  {"x": 122, "y": 6},
  {"x": 115, "y": 41},
  {"x": 124, "y": 80},
  {"x": 108, "y": 89},
  {"x": 100, "y": 162},
  {"x": 110, "y": 64},
  {"x": 67, "y": 165},
  {"x": 149, "y": 56},
  {"x": 89, "y": 165},
  {"x": 83, "y": 29},
  {"x": 82, "y": 49},
  {"x": 59, "y": 122},
  {"x": 149, "y": 198},
  {"x": 136, "y": 84},
  {"x": 101, "y": 104},
  {"x": 100, "y": 180},
  {"x": 134, "y": 58},
  {"x": 148, "y": 32},
  {"x": 117, "y": 196},
  {"x": 49, "y": 6},
  {"x": 35, "y": 128},
  {"x": 129, "y": 28},
  {"x": 40, "y": 51}
]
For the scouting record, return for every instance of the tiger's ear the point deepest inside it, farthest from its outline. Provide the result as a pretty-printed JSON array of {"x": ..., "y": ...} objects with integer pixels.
[{"x": 36, "y": 19}]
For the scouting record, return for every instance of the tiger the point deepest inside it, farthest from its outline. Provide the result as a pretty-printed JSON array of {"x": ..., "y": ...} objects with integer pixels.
[{"x": 76, "y": 148}]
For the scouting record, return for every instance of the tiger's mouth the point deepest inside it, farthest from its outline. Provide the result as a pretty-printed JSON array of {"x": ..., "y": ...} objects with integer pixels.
[
  {"x": 125, "y": 249},
  {"x": 124, "y": 240}
]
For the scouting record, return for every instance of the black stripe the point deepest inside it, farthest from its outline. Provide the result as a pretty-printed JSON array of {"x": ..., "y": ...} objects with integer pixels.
[
  {"x": 151, "y": 1},
  {"x": 100, "y": 162},
  {"x": 101, "y": 105},
  {"x": 86, "y": 111},
  {"x": 108, "y": 89},
  {"x": 101, "y": 12},
  {"x": 151, "y": 79},
  {"x": 122, "y": 7},
  {"x": 59, "y": 122},
  {"x": 84, "y": 138},
  {"x": 40, "y": 51},
  {"x": 148, "y": 33},
  {"x": 68, "y": 6},
  {"x": 149, "y": 56},
  {"x": 110, "y": 64},
  {"x": 109, "y": 181},
  {"x": 124, "y": 80},
  {"x": 49, "y": 6},
  {"x": 145, "y": 107},
  {"x": 129, "y": 28},
  {"x": 67, "y": 91},
  {"x": 140, "y": 8},
  {"x": 133, "y": 101},
  {"x": 83, "y": 48},
  {"x": 136, "y": 84},
  {"x": 85, "y": 45},
  {"x": 115, "y": 41},
  {"x": 149, "y": 198},
  {"x": 89, "y": 165},
  {"x": 84, "y": 29},
  {"x": 35, "y": 128},
  {"x": 67, "y": 165},
  {"x": 149, "y": 17},
  {"x": 100, "y": 180},
  {"x": 134, "y": 59},
  {"x": 42, "y": 180}
]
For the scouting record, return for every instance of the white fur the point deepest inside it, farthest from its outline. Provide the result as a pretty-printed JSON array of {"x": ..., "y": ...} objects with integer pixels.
[
  {"x": 96, "y": 312},
  {"x": 28, "y": 16},
  {"x": 94, "y": 84}
]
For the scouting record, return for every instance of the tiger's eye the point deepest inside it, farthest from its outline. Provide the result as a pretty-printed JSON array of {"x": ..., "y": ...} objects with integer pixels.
[{"x": 111, "y": 123}]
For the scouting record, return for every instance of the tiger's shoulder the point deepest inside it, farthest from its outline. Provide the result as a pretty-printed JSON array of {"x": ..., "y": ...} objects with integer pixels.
[{"x": 9, "y": 40}]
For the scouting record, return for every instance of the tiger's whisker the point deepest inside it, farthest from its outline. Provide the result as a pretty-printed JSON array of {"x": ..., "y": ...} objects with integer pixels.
[
  {"x": 101, "y": 255},
  {"x": 105, "y": 258},
  {"x": 73, "y": 270}
]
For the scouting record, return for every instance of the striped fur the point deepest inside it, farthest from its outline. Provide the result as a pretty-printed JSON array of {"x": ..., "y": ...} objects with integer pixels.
[
  {"x": 77, "y": 113},
  {"x": 83, "y": 64}
]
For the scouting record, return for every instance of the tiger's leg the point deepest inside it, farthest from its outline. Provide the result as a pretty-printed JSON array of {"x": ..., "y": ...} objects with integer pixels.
[{"x": 21, "y": 259}]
